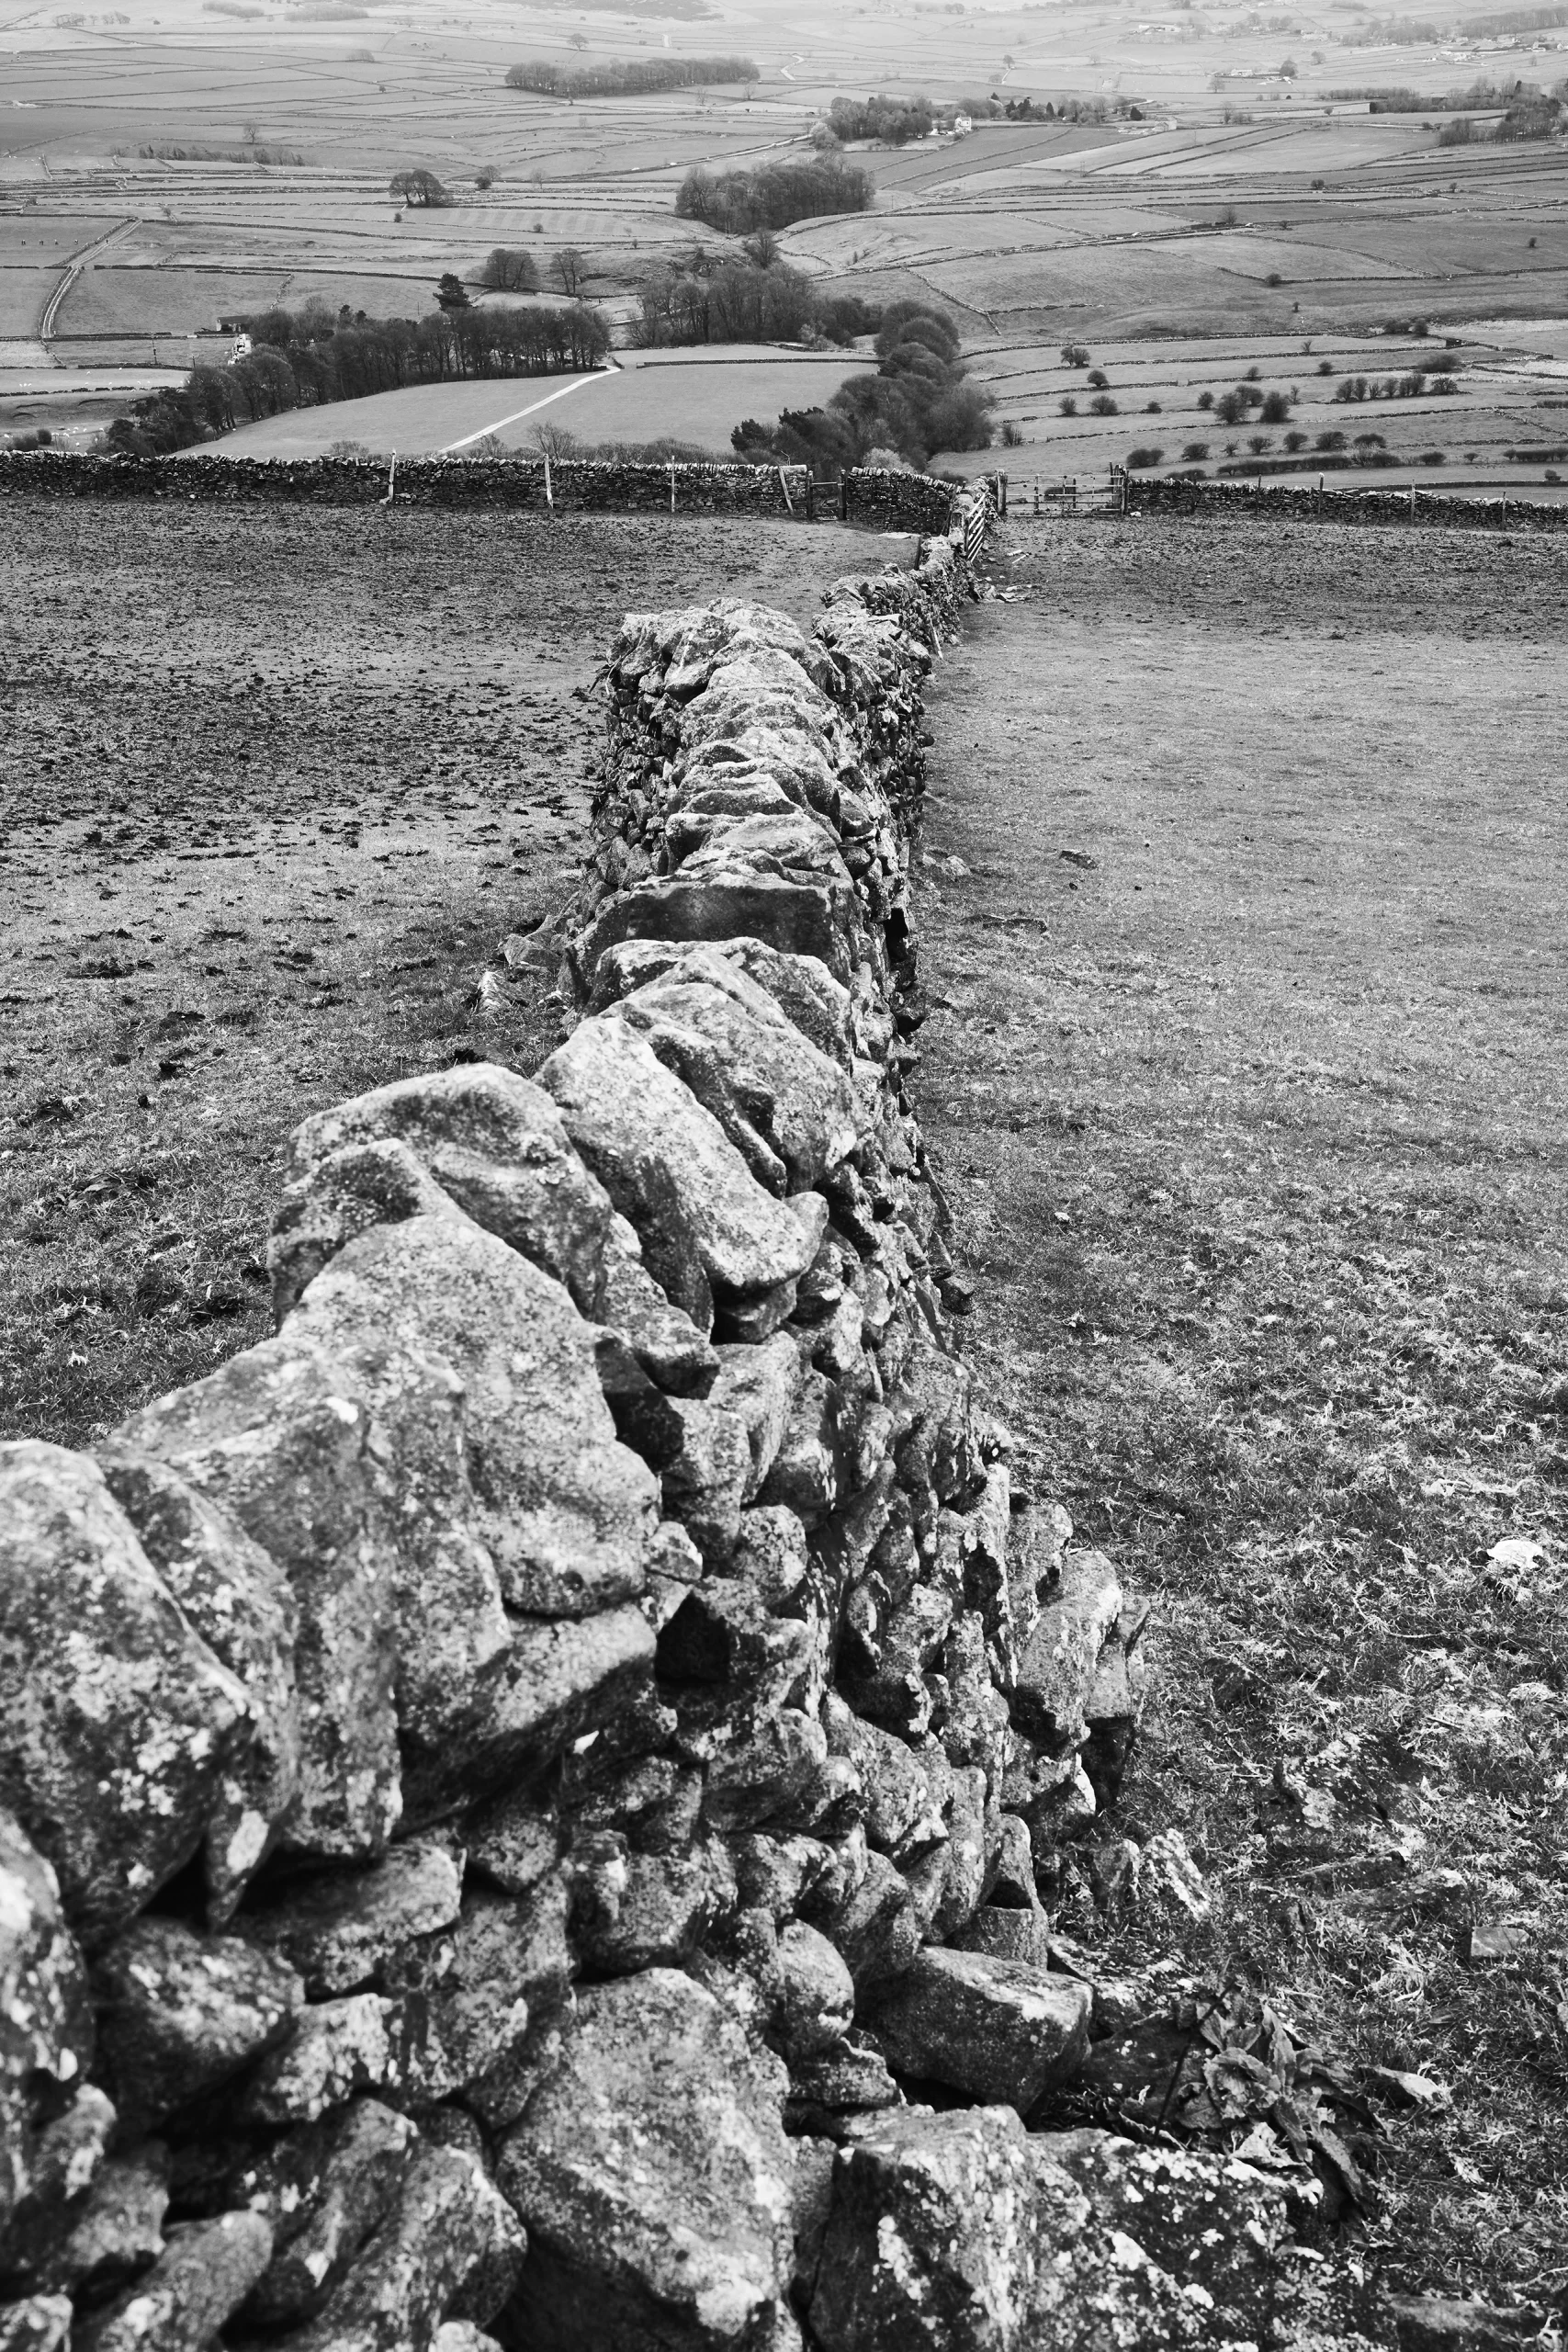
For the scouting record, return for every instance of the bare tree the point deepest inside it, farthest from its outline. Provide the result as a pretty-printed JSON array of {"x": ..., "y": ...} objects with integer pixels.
[{"x": 570, "y": 269}]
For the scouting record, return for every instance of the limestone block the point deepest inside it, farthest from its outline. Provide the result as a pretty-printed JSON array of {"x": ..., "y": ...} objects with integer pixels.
[
  {"x": 873, "y": 1927},
  {"x": 800, "y": 987},
  {"x": 118, "y": 2230},
  {"x": 667, "y": 1344},
  {"x": 448, "y": 2243},
  {"x": 179, "y": 2013},
  {"x": 796, "y": 915},
  {"x": 668, "y": 1904},
  {"x": 563, "y": 1512},
  {"x": 37, "y": 2324},
  {"x": 339, "y": 1196},
  {"x": 991, "y": 2028},
  {"x": 789, "y": 1111},
  {"x": 205, "y": 2272},
  {"x": 704, "y": 1223},
  {"x": 335, "y": 2049},
  {"x": 495, "y": 1144},
  {"x": 54, "y": 2163},
  {"x": 281, "y": 1438},
  {"x": 1057, "y": 1670},
  {"x": 337, "y": 1928},
  {"x": 561, "y": 1680},
  {"x": 46, "y": 2027},
  {"x": 759, "y": 1386},
  {"x": 323, "y": 2188},
  {"x": 955, "y": 2233},
  {"x": 654, "y": 2178},
  {"x": 116, "y": 1719},
  {"x": 240, "y": 1601},
  {"x": 815, "y": 2002}
]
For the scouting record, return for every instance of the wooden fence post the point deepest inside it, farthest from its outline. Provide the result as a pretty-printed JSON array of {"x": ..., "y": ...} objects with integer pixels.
[
  {"x": 549, "y": 493},
  {"x": 843, "y": 497},
  {"x": 811, "y": 498},
  {"x": 671, "y": 485}
]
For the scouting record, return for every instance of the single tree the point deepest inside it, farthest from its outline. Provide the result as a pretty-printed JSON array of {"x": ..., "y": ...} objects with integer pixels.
[
  {"x": 451, "y": 293},
  {"x": 417, "y": 186}
]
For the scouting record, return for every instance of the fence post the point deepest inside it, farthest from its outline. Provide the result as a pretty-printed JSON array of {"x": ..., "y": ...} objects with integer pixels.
[
  {"x": 391, "y": 480},
  {"x": 1002, "y": 497},
  {"x": 671, "y": 485},
  {"x": 1412, "y": 502},
  {"x": 843, "y": 497},
  {"x": 811, "y": 498},
  {"x": 549, "y": 493}
]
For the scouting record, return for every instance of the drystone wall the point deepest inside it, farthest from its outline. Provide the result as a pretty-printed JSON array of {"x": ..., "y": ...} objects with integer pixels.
[
  {"x": 887, "y": 500},
  {"x": 1174, "y": 495},
  {"x": 528, "y": 1794}
]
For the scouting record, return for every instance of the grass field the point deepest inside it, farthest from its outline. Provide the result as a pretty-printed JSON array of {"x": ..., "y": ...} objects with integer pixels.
[
  {"x": 1254, "y": 1110},
  {"x": 698, "y": 397}
]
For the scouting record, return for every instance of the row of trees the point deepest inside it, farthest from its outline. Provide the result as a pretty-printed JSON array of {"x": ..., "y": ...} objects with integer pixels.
[
  {"x": 918, "y": 404},
  {"x": 305, "y": 359},
  {"x": 773, "y": 195},
  {"x": 622, "y": 77}
]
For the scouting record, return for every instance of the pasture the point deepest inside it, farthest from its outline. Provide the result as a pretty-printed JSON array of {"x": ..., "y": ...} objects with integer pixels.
[
  {"x": 1247, "y": 1077},
  {"x": 696, "y": 396}
]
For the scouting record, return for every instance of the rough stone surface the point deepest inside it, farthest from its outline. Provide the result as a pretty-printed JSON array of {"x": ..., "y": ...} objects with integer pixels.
[
  {"x": 205, "y": 2272},
  {"x": 704, "y": 1223},
  {"x": 179, "y": 2013},
  {"x": 562, "y": 1511},
  {"x": 116, "y": 1719},
  {"x": 957, "y": 2233},
  {"x": 495, "y": 1144},
  {"x": 336, "y": 1928},
  {"x": 996, "y": 2029},
  {"x": 654, "y": 2179}
]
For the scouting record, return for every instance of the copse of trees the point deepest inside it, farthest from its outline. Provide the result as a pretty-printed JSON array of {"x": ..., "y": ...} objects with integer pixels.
[
  {"x": 773, "y": 195},
  {"x": 416, "y": 187},
  {"x": 918, "y": 402},
  {"x": 509, "y": 270},
  {"x": 624, "y": 77},
  {"x": 894, "y": 120},
  {"x": 697, "y": 298},
  {"x": 305, "y": 359}
]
